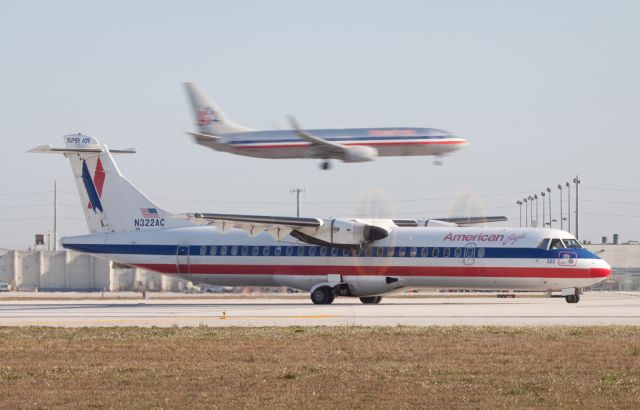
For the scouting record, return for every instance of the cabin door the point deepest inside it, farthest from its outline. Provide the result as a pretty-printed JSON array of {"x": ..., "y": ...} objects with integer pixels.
[
  {"x": 469, "y": 254},
  {"x": 182, "y": 259}
]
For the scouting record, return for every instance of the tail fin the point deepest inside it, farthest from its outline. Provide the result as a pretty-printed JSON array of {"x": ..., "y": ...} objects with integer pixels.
[
  {"x": 110, "y": 202},
  {"x": 209, "y": 118}
]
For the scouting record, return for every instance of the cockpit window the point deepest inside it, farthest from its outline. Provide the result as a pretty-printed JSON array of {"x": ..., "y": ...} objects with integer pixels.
[
  {"x": 544, "y": 244},
  {"x": 556, "y": 244},
  {"x": 572, "y": 243}
]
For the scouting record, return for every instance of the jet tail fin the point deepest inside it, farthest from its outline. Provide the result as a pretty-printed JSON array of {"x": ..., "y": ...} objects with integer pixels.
[
  {"x": 109, "y": 201},
  {"x": 209, "y": 118}
]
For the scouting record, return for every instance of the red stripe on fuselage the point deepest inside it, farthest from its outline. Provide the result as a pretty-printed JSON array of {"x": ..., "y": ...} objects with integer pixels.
[
  {"x": 351, "y": 144},
  {"x": 436, "y": 271}
]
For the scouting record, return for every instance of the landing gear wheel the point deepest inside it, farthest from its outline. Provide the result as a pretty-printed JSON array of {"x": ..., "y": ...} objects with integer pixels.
[
  {"x": 572, "y": 298},
  {"x": 325, "y": 165},
  {"x": 370, "y": 299},
  {"x": 322, "y": 296}
]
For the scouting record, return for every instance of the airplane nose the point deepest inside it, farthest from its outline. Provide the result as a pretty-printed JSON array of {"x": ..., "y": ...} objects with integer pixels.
[{"x": 601, "y": 269}]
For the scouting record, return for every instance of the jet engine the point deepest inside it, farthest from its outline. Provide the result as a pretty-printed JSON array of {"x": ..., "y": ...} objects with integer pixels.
[{"x": 360, "y": 154}]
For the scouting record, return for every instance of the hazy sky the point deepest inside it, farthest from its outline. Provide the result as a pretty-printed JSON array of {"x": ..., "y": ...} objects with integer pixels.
[{"x": 543, "y": 90}]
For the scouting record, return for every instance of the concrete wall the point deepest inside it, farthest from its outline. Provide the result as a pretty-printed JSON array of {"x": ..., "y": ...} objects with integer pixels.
[{"x": 72, "y": 271}]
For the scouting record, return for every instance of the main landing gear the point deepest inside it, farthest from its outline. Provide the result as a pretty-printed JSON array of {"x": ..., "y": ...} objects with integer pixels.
[
  {"x": 368, "y": 300},
  {"x": 325, "y": 165},
  {"x": 572, "y": 298},
  {"x": 322, "y": 295}
]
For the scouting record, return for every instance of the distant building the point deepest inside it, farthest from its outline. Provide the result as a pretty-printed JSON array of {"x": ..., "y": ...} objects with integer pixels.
[{"x": 625, "y": 263}]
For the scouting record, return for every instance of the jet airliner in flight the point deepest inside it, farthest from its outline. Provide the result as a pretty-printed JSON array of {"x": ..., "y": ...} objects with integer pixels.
[
  {"x": 217, "y": 131},
  {"x": 327, "y": 257}
]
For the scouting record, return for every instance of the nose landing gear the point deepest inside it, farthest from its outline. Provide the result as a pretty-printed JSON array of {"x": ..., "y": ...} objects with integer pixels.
[{"x": 325, "y": 165}]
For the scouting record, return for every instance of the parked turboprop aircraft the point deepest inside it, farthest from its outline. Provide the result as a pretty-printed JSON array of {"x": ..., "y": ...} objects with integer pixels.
[
  {"x": 217, "y": 131},
  {"x": 328, "y": 257}
]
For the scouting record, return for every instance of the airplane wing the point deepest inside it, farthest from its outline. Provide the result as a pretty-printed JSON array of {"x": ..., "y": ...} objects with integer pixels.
[
  {"x": 277, "y": 226},
  {"x": 331, "y": 146},
  {"x": 327, "y": 149},
  {"x": 460, "y": 221}
]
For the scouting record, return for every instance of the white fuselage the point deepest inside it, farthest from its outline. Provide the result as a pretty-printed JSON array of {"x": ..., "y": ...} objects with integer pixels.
[
  {"x": 387, "y": 142},
  {"x": 451, "y": 257}
]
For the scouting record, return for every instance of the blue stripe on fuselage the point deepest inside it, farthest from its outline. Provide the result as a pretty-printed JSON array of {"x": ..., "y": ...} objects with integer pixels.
[
  {"x": 406, "y": 251},
  {"x": 337, "y": 139}
]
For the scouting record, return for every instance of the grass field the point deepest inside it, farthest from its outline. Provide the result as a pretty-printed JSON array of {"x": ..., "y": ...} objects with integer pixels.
[{"x": 324, "y": 367}]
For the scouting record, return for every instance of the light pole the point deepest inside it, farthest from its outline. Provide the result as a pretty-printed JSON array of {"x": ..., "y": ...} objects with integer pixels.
[
  {"x": 530, "y": 198},
  {"x": 561, "y": 224},
  {"x": 544, "y": 220},
  {"x": 537, "y": 220},
  {"x": 549, "y": 192},
  {"x": 526, "y": 212},
  {"x": 576, "y": 181},
  {"x": 520, "y": 206},
  {"x": 568, "y": 207},
  {"x": 297, "y": 191}
]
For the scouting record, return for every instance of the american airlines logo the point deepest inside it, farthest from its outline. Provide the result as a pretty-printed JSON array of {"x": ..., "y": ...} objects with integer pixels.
[
  {"x": 480, "y": 237},
  {"x": 206, "y": 116},
  {"x": 483, "y": 237}
]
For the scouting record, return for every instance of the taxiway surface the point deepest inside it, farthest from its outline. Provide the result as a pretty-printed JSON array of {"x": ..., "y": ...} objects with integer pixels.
[{"x": 593, "y": 309}]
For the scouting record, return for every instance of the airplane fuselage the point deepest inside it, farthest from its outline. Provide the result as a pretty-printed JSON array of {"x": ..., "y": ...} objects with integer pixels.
[
  {"x": 462, "y": 258},
  {"x": 387, "y": 141}
]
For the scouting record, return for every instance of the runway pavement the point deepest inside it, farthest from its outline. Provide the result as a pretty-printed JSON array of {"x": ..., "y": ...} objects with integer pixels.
[{"x": 593, "y": 309}]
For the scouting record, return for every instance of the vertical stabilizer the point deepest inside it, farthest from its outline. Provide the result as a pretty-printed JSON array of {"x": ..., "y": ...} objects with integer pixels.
[
  {"x": 109, "y": 201},
  {"x": 208, "y": 117}
]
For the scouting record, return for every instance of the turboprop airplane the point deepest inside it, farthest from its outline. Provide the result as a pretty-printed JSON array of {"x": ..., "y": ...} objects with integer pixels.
[
  {"x": 217, "y": 131},
  {"x": 327, "y": 257}
]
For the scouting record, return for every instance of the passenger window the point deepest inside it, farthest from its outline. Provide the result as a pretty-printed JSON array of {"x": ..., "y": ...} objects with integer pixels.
[
  {"x": 255, "y": 250},
  {"x": 390, "y": 252},
  {"x": 312, "y": 251},
  {"x": 323, "y": 251},
  {"x": 480, "y": 253},
  {"x": 334, "y": 251},
  {"x": 413, "y": 252},
  {"x": 265, "y": 250},
  {"x": 234, "y": 250},
  {"x": 203, "y": 250},
  {"x": 367, "y": 252},
  {"x": 223, "y": 250},
  {"x": 402, "y": 251},
  {"x": 435, "y": 252},
  {"x": 458, "y": 252},
  {"x": 544, "y": 244},
  {"x": 277, "y": 251},
  {"x": 300, "y": 250},
  {"x": 213, "y": 250},
  {"x": 346, "y": 252},
  {"x": 245, "y": 250},
  {"x": 379, "y": 252},
  {"x": 424, "y": 252},
  {"x": 556, "y": 244},
  {"x": 447, "y": 252},
  {"x": 289, "y": 250}
]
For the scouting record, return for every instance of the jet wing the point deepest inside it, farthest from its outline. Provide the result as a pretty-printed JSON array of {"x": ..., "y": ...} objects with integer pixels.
[
  {"x": 276, "y": 226},
  {"x": 312, "y": 139}
]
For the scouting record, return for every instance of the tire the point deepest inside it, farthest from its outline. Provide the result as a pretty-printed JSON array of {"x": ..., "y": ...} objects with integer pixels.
[
  {"x": 367, "y": 300},
  {"x": 572, "y": 298},
  {"x": 322, "y": 296}
]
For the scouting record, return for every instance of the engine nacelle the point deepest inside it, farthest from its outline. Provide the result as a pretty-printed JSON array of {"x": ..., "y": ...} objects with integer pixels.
[
  {"x": 360, "y": 154},
  {"x": 374, "y": 285},
  {"x": 342, "y": 232}
]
